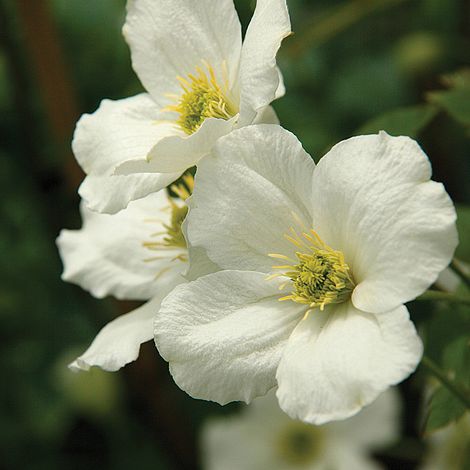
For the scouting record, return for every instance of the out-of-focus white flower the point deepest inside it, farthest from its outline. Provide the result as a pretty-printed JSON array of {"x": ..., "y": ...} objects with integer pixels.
[
  {"x": 449, "y": 448},
  {"x": 202, "y": 82},
  {"x": 263, "y": 437},
  {"x": 352, "y": 240},
  {"x": 448, "y": 280},
  {"x": 140, "y": 254}
]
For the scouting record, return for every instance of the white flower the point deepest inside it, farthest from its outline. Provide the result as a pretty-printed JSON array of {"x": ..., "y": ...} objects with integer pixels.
[
  {"x": 449, "y": 448},
  {"x": 359, "y": 235},
  {"x": 262, "y": 437},
  {"x": 201, "y": 82},
  {"x": 140, "y": 254}
]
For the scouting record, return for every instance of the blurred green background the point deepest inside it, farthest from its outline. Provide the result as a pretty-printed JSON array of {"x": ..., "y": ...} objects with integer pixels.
[{"x": 352, "y": 66}]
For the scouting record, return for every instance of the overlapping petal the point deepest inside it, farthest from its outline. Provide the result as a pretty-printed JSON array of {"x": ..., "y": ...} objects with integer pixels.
[
  {"x": 339, "y": 360},
  {"x": 111, "y": 194},
  {"x": 117, "y": 132},
  {"x": 107, "y": 256},
  {"x": 247, "y": 196},
  {"x": 178, "y": 153},
  {"x": 224, "y": 333},
  {"x": 267, "y": 115},
  {"x": 373, "y": 200}
]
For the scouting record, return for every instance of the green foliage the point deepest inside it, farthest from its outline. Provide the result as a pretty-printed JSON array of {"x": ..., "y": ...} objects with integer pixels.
[
  {"x": 456, "y": 102},
  {"x": 445, "y": 407},
  {"x": 403, "y": 121},
  {"x": 448, "y": 343},
  {"x": 456, "y": 99},
  {"x": 463, "y": 226}
]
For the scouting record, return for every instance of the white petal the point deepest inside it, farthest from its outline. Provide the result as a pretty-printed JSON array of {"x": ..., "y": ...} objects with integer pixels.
[
  {"x": 379, "y": 424},
  {"x": 118, "y": 343},
  {"x": 110, "y": 194},
  {"x": 199, "y": 264},
  {"x": 238, "y": 442},
  {"x": 107, "y": 256},
  {"x": 178, "y": 153},
  {"x": 266, "y": 116},
  {"x": 348, "y": 457},
  {"x": 246, "y": 195},
  {"x": 281, "y": 88},
  {"x": 116, "y": 132},
  {"x": 340, "y": 360},
  {"x": 170, "y": 38},
  {"x": 224, "y": 333},
  {"x": 372, "y": 199},
  {"x": 260, "y": 80}
]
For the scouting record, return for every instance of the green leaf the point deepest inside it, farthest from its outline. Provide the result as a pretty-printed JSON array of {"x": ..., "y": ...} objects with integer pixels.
[
  {"x": 402, "y": 121},
  {"x": 456, "y": 102},
  {"x": 444, "y": 406},
  {"x": 456, "y": 359},
  {"x": 463, "y": 227}
]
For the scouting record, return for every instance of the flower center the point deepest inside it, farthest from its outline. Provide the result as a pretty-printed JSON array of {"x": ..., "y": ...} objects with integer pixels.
[
  {"x": 319, "y": 275},
  {"x": 202, "y": 98},
  {"x": 172, "y": 237},
  {"x": 299, "y": 443}
]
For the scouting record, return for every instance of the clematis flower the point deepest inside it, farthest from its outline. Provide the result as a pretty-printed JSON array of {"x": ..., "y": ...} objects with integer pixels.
[
  {"x": 201, "y": 83},
  {"x": 138, "y": 254},
  {"x": 263, "y": 437},
  {"x": 316, "y": 264}
]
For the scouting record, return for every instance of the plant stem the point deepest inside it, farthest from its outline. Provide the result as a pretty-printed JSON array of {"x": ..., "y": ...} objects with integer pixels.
[
  {"x": 455, "y": 266},
  {"x": 445, "y": 381},
  {"x": 445, "y": 296}
]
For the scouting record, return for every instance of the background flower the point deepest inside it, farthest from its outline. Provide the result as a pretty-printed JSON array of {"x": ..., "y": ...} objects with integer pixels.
[{"x": 262, "y": 437}]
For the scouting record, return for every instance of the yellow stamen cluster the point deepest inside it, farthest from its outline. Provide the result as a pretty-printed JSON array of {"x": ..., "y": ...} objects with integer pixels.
[
  {"x": 319, "y": 276},
  {"x": 173, "y": 235},
  {"x": 202, "y": 98}
]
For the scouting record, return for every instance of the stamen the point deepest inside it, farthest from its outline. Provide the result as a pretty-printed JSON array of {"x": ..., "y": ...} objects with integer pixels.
[
  {"x": 202, "y": 98},
  {"x": 279, "y": 256},
  {"x": 172, "y": 238}
]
